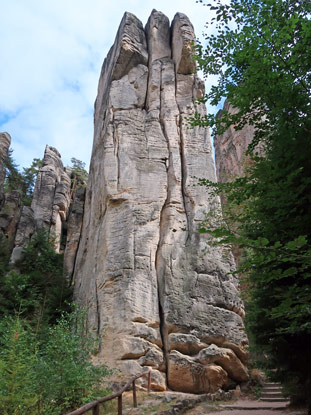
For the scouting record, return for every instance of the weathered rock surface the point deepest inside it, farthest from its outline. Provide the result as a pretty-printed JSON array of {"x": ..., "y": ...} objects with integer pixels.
[
  {"x": 225, "y": 358},
  {"x": 74, "y": 225},
  {"x": 10, "y": 203},
  {"x": 187, "y": 375},
  {"x": 51, "y": 198},
  {"x": 9, "y": 216},
  {"x": 25, "y": 229},
  {"x": 5, "y": 141},
  {"x": 50, "y": 203},
  {"x": 57, "y": 206},
  {"x": 231, "y": 157},
  {"x": 156, "y": 293},
  {"x": 230, "y": 149}
]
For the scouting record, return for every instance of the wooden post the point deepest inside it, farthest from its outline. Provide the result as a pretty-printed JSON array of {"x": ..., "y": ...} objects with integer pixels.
[
  {"x": 134, "y": 395},
  {"x": 96, "y": 410},
  {"x": 149, "y": 381},
  {"x": 120, "y": 405}
]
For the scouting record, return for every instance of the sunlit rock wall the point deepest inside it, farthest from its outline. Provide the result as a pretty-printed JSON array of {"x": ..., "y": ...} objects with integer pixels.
[{"x": 157, "y": 294}]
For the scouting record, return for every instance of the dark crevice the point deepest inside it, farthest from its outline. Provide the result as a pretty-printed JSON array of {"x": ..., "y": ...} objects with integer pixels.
[
  {"x": 159, "y": 272},
  {"x": 78, "y": 247},
  {"x": 98, "y": 315},
  {"x": 147, "y": 88},
  {"x": 187, "y": 200},
  {"x": 116, "y": 150},
  {"x": 183, "y": 179},
  {"x": 52, "y": 208}
]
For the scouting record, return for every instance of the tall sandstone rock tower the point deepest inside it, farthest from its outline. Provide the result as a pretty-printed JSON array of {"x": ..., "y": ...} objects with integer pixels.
[
  {"x": 57, "y": 206},
  {"x": 157, "y": 294}
]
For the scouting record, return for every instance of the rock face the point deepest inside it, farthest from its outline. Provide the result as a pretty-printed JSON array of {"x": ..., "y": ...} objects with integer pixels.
[
  {"x": 10, "y": 216},
  {"x": 50, "y": 203},
  {"x": 57, "y": 206},
  {"x": 51, "y": 198},
  {"x": 5, "y": 141},
  {"x": 157, "y": 294},
  {"x": 9, "y": 204},
  {"x": 231, "y": 158},
  {"x": 230, "y": 149},
  {"x": 74, "y": 225}
]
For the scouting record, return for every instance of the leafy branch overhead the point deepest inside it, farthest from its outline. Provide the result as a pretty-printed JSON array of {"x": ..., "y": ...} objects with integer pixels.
[{"x": 261, "y": 51}]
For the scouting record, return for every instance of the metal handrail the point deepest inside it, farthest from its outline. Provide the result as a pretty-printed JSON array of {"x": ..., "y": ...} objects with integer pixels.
[{"x": 94, "y": 405}]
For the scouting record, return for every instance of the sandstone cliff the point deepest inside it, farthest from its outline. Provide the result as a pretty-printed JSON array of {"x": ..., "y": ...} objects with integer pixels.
[
  {"x": 50, "y": 203},
  {"x": 231, "y": 147},
  {"x": 56, "y": 207},
  {"x": 231, "y": 158},
  {"x": 5, "y": 141},
  {"x": 157, "y": 294},
  {"x": 10, "y": 203}
]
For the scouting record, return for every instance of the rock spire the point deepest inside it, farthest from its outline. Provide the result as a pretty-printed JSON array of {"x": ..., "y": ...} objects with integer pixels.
[{"x": 157, "y": 294}]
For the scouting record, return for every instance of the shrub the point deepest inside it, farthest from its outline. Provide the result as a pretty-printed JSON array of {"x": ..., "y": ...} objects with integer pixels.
[
  {"x": 40, "y": 289},
  {"x": 18, "y": 395},
  {"x": 49, "y": 376},
  {"x": 68, "y": 377}
]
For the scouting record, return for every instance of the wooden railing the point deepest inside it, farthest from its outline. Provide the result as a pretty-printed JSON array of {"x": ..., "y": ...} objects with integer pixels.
[{"x": 94, "y": 405}]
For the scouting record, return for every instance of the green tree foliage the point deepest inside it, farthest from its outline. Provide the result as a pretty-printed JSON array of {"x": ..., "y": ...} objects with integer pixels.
[
  {"x": 70, "y": 379},
  {"x": 79, "y": 173},
  {"x": 4, "y": 255},
  {"x": 45, "y": 354},
  {"x": 17, "y": 374},
  {"x": 13, "y": 177},
  {"x": 51, "y": 376},
  {"x": 39, "y": 290},
  {"x": 29, "y": 175},
  {"x": 23, "y": 181},
  {"x": 262, "y": 51}
]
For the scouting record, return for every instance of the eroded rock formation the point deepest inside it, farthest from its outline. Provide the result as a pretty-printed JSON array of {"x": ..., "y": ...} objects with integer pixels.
[
  {"x": 5, "y": 141},
  {"x": 57, "y": 206},
  {"x": 231, "y": 158},
  {"x": 231, "y": 147},
  {"x": 51, "y": 197},
  {"x": 50, "y": 203},
  {"x": 10, "y": 204},
  {"x": 73, "y": 228},
  {"x": 157, "y": 294}
]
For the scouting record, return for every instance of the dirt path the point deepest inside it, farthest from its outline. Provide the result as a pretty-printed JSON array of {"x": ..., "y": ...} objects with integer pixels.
[
  {"x": 246, "y": 407},
  {"x": 169, "y": 403}
]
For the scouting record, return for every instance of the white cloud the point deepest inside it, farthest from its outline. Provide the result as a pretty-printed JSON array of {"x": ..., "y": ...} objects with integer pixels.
[{"x": 51, "y": 54}]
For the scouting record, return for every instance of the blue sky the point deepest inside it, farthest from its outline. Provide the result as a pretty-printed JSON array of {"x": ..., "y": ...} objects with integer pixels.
[{"x": 51, "y": 55}]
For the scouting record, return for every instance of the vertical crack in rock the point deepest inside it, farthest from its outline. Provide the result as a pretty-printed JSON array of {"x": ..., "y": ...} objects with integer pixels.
[
  {"x": 156, "y": 294},
  {"x": 71, "y": 280},
  {"x": 185, "y": 197},
  {"x": 98, "y": 314},
  {"x": 116, "y": 150},
  {"x": 162, "y": 233}
]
